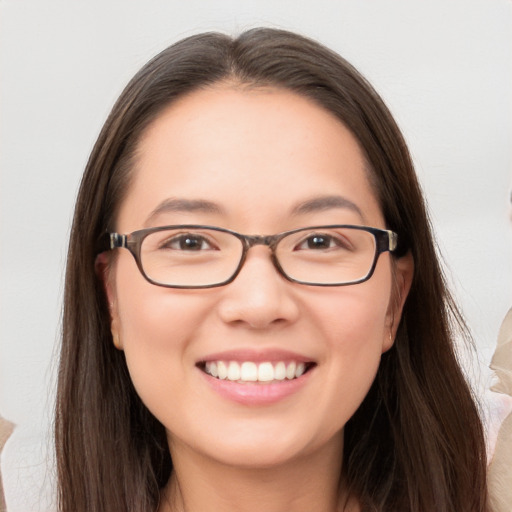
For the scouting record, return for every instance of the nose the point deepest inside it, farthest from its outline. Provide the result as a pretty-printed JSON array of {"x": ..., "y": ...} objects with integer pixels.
[{"x": 260, "y": 297}]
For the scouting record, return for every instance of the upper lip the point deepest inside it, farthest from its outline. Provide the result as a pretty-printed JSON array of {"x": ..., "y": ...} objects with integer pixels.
[{"x": 257, "y": 356}]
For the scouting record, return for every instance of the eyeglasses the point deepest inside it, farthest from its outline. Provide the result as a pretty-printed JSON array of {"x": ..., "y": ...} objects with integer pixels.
[{"x": 194, "y": 256}]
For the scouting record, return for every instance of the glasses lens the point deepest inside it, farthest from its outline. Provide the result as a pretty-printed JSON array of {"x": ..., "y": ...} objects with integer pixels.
[
  {"x": 327, "y": 255},
  {"x": 190, "y": 257}
]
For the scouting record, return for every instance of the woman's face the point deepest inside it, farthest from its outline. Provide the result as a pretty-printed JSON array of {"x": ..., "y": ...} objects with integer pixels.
[{"x": 257, "y": 162}]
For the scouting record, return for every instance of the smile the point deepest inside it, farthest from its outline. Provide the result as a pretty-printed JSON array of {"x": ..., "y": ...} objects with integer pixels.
[{"x": 249, "y": 371}]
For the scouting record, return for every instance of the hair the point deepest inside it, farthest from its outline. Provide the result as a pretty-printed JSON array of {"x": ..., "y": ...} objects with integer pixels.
[{"x": 415, "y": 443}]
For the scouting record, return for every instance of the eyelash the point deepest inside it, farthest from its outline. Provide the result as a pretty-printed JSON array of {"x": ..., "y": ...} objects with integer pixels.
[
  {"x": 333, "y": 241},
  {"x": 178, "y": 239}
]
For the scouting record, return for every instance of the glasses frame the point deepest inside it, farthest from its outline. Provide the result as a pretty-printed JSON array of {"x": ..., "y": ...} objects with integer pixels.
[{"x": 385, "y": 241}]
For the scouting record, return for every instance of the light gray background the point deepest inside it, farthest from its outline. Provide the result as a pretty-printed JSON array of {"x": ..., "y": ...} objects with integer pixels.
[{"x": 443, "y": 66}]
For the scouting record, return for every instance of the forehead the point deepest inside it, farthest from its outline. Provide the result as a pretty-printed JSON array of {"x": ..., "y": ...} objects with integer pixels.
[{"x": 249, "y": 151}]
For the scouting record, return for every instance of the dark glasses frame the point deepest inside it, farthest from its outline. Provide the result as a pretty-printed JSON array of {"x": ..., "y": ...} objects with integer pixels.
[{"x": 385, "y": 240}]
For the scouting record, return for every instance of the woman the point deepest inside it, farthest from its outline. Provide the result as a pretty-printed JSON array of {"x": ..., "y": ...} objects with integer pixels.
[{"x": 261, "y": 346}]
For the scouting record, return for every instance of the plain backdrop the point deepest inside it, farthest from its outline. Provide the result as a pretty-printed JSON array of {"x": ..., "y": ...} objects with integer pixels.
[{"x": 443, "y": 67}]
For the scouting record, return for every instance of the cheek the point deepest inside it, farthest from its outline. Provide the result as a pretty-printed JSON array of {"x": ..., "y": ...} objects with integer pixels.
[
  {"x": 157, "y": 327},
  {"x": 152, "y": 317},
  {"x": 354, "y": 327},
  {"x": 354, "y": 319}
]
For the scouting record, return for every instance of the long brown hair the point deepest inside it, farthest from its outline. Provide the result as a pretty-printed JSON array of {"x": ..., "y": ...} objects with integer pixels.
[{"x": 415, "y": 443}]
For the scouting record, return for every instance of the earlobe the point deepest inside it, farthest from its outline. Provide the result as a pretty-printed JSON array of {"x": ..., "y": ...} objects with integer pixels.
[
  {"x": 115, "y": 334},
  {"x": 403, "y": 273}
]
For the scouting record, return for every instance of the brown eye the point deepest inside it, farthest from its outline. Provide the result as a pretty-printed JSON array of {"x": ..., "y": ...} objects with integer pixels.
[
  {"x": 320, "y": 241},
  {"x": 187, "y": 242}
]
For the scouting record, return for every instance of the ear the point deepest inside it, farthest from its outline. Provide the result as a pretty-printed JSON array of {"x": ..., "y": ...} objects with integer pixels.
[
  {"x": 403, "y": 272},
  {"x": 103, "y": 269}
]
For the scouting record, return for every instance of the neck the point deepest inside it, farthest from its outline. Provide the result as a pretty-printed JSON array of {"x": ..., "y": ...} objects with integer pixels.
[{"x": 312, "y": 482}]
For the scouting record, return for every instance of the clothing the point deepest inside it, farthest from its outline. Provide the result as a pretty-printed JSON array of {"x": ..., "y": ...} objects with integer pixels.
[
  {"x": 5, "y": 431},
  {"x": 500, "y": 468}
]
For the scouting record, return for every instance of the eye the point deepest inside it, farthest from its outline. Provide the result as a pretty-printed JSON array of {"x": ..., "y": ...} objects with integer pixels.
[
  {"x": 319, "y": 242},
  {"x": 187, "y": 242},
  {"x": 323, "y": 241}
]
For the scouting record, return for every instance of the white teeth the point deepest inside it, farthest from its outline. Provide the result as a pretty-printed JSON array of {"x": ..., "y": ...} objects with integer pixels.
[
  {"x": 301, "y": 368},
  {"x": 290, "y": 370},
  {"x": 233, "y": 371},
  {"x": 211, "y": 368},
  {"x": 249, "y": 371},
  {"x": 265, "y": 372},
  {"x": 280, "y": 371},
  {"x": 222, "y": 370}
]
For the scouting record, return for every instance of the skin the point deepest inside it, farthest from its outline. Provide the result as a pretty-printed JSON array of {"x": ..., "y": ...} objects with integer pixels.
[{"x": 242, "y": 149}]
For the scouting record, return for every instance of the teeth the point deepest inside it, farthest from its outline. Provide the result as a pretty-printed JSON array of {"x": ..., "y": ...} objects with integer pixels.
[
  {"x": 265, "y": 372},
  {"x": 252, "y": 372},
  {"x": 290, "y": 370},
  {"x": 213, "y": 371},
  {"x": 222, "y": 370},
  {"x": 233, "y": 371},
  {"x": 301, "y": 368},
  {"x": 280, "y": 371},
  {"x": 249, "y": 372}
]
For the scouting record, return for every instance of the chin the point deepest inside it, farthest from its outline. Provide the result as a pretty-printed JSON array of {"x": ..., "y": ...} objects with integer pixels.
[
  {"x": 266, "y": 447},
  {"x": 256, "y": 457}
]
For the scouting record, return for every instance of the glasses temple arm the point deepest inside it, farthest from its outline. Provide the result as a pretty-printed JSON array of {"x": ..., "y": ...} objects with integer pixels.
[
  {"x": 392, "y": 240},
  {"x": 109, "y": 241}
]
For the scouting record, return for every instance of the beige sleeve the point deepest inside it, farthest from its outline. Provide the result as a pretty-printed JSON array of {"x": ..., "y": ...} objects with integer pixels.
[
  {"x": 501, "y": 361},
  {"x": 5, "y": 431}
]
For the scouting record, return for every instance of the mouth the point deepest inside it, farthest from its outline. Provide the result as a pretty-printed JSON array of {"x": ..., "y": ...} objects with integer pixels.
[{"x": 265, "y": 372}]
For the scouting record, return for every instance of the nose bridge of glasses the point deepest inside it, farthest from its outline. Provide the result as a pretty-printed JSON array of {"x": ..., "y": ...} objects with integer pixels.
[{"x": 268, "y": 240}]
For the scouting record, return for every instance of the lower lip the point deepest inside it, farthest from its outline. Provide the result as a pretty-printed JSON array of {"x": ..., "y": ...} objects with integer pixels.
[{"x": 253, "y": 393}]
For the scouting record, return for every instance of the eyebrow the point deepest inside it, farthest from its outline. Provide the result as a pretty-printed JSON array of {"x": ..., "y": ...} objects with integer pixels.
[
  {"x": 317, "y": 204},
  {"x": 173, "y": 205},
  {"x": 323, "y": 203}
]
